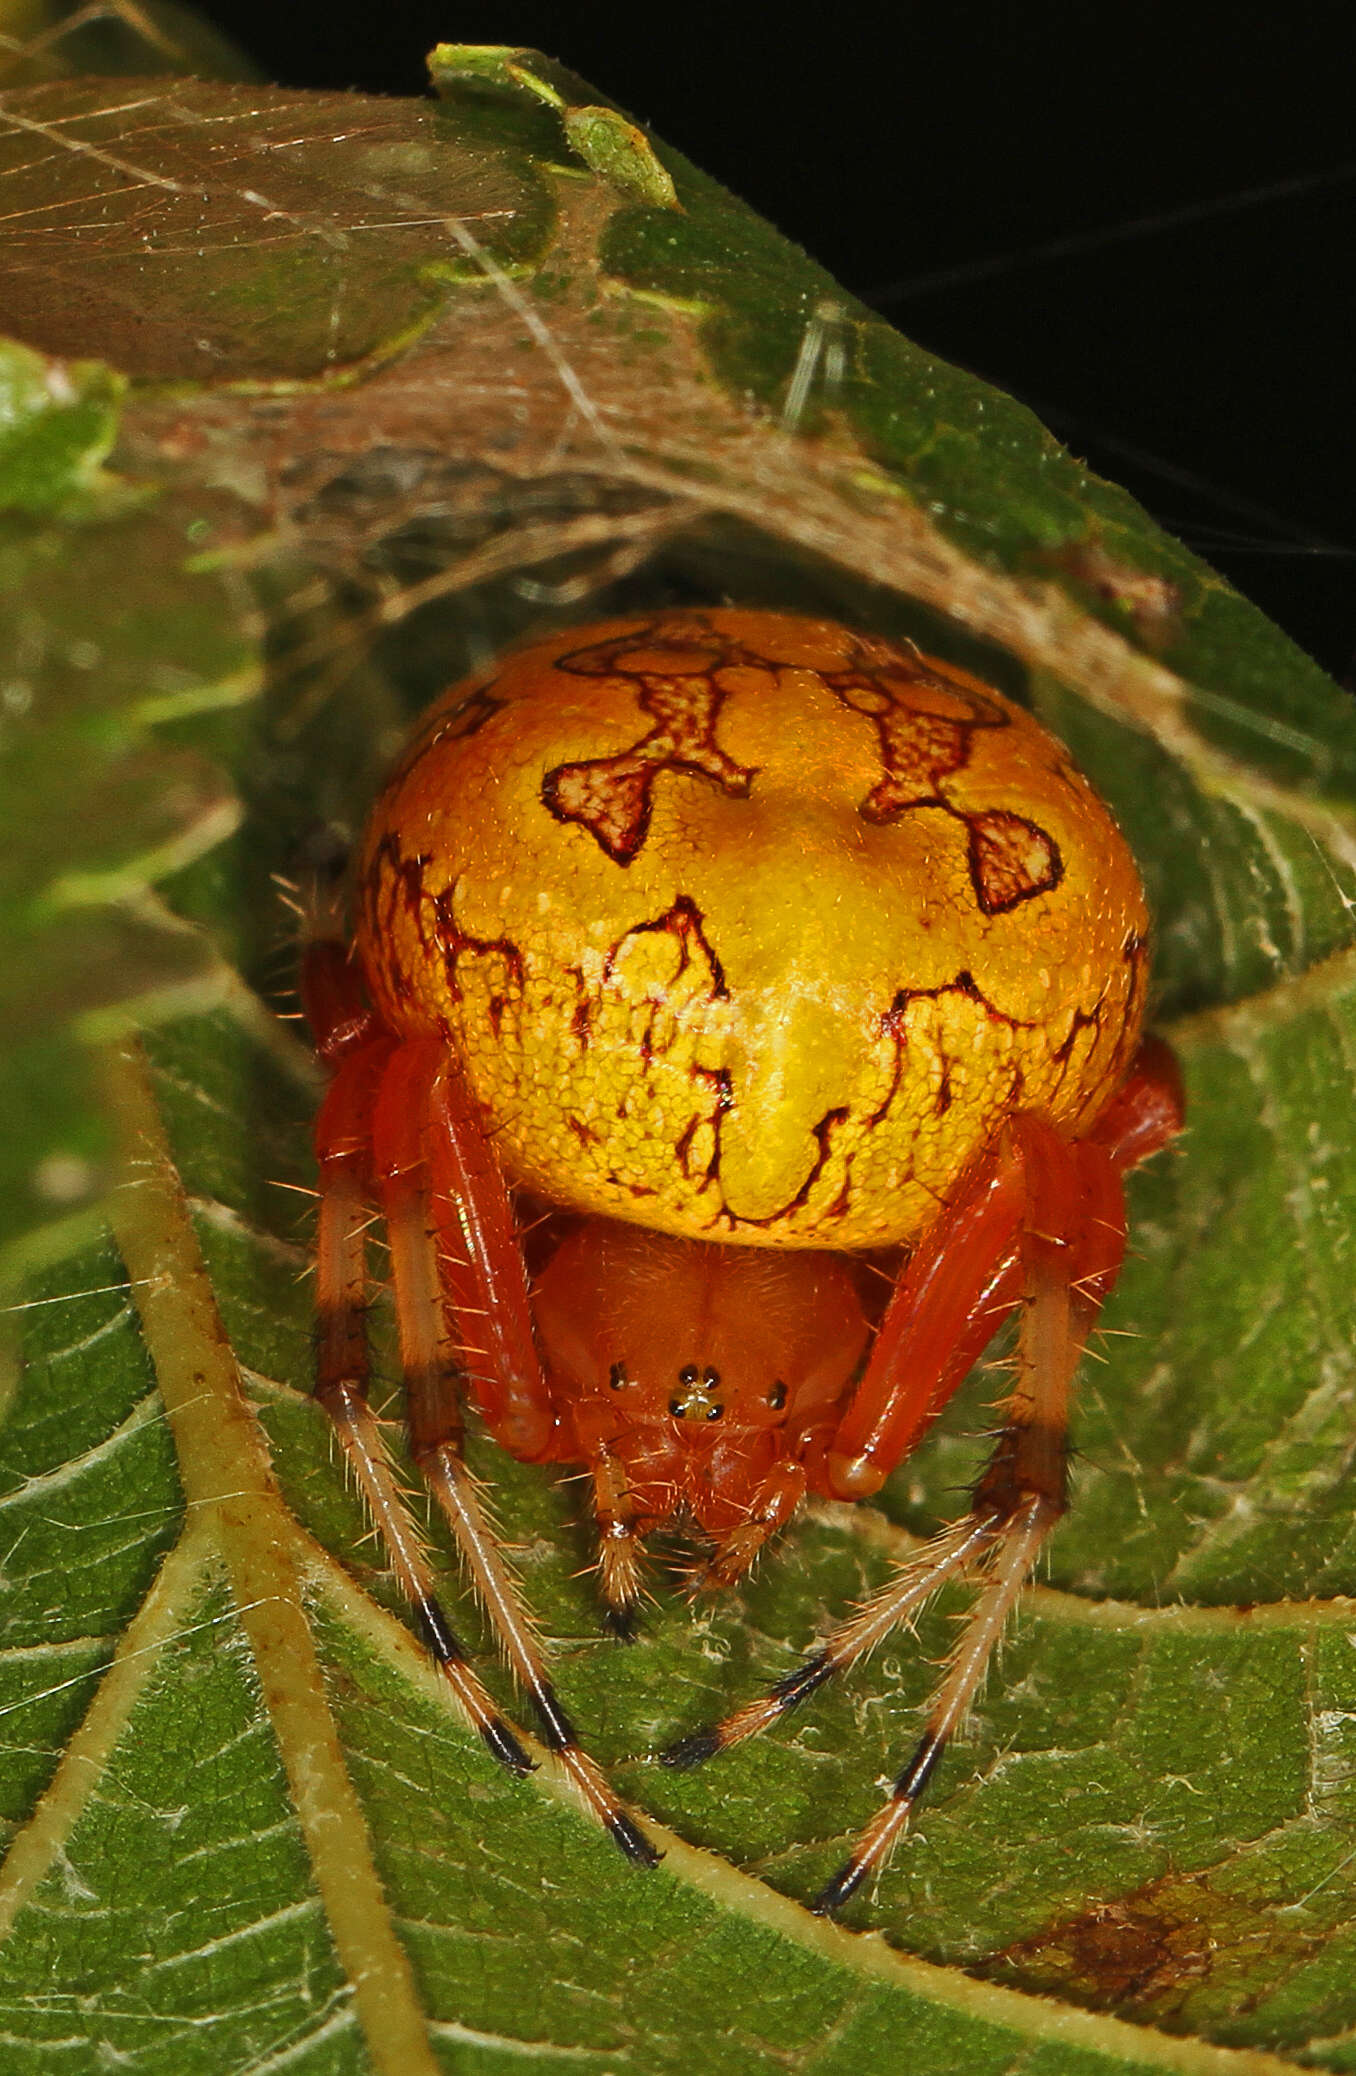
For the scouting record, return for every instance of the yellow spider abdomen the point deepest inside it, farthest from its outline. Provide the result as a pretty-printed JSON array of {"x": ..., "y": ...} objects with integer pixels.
[{"x": 749, "y": 927}]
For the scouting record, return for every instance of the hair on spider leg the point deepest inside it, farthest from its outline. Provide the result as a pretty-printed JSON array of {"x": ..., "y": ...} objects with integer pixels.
[
  {"x": 620, "y": 1614},
  {"x": 289, "y": 895},
  {"x": 946, "y": 1558},
  {"x": 296, "y": 1189},
  {"x": 469, "y": 1312},
  {"x": 644, "y": 1594},
  {"x": 483, "y": 1491},
  {"x": 449, "y": 1258},
  {"x": 619, "y": 1620},
  {"x": 495, "y": 1127},
  {"x": 1086, "y": 1286},
  {"x": 273, "y": 993}
]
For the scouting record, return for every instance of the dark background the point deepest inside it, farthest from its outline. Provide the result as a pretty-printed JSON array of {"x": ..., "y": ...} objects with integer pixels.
[{"x": 1141, "y": 221}]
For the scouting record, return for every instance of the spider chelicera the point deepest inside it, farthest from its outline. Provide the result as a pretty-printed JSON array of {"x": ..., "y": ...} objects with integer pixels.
[{"x": 754, "y": 946}]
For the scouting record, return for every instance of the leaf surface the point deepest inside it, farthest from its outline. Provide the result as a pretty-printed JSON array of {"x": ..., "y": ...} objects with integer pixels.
[{"x": 403, "y": 381}]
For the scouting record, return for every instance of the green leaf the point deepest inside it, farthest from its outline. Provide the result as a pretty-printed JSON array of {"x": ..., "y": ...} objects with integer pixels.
[
  {"x": 403, "y": 382},
  {"x": 113, "y": 658}
]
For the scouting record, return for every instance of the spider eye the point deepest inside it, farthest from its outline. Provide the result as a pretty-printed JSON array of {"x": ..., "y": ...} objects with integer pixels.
[
  {"x": 693, "y": 1401},
  {"x": 776, "y": 1398},
  {"x": 616, "y": 1376}
]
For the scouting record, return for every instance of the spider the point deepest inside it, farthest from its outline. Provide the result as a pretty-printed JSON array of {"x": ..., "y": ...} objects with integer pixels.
[{"x": 753, "y": 946}]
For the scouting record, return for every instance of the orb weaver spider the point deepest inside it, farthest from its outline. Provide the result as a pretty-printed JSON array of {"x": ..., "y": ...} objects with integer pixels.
[{"x": 750, "y": 944}]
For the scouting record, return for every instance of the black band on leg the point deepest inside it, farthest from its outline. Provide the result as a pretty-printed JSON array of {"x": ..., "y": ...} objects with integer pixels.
[
  {"x": 691, "y": 1751},
  {"x": 633, "y": 1841},
  {"x": 920, "y": 1768},
  {"x": 557, "y": 1728},
  {"x": 500, "y": 1740},
  {"x": 796, "y": 1686},
  {"x": 908, "y": 1788},
  {"x": 445, "y": 1650},
  {"x": 836, "y": 1893},
  {"x": 437, "y": 1632},
  {"x": 621, "y": 1620}
]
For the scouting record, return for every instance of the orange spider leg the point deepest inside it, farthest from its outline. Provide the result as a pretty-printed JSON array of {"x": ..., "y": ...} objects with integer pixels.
[
  {"x": 483, "y": 1273},
  {"x": 1072, "y": 1242},
  {"x": 428, "y": 1145},
  {"x": 772, "y": 1505},
  {"x": 1148, "y": 1110},
  {"x": 965, "y": 1276},
  {"x": 986, "y": 1252},
  {"x": 387, "y": 1103},
  {"x": 620, "y": 1518},
  {"x": 343, "y": 1134},
  {"x": 961, "y": 1280}
]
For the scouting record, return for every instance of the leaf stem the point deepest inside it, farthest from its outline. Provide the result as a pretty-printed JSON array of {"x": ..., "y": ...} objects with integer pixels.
[{"x": 228, "y": 1481}]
